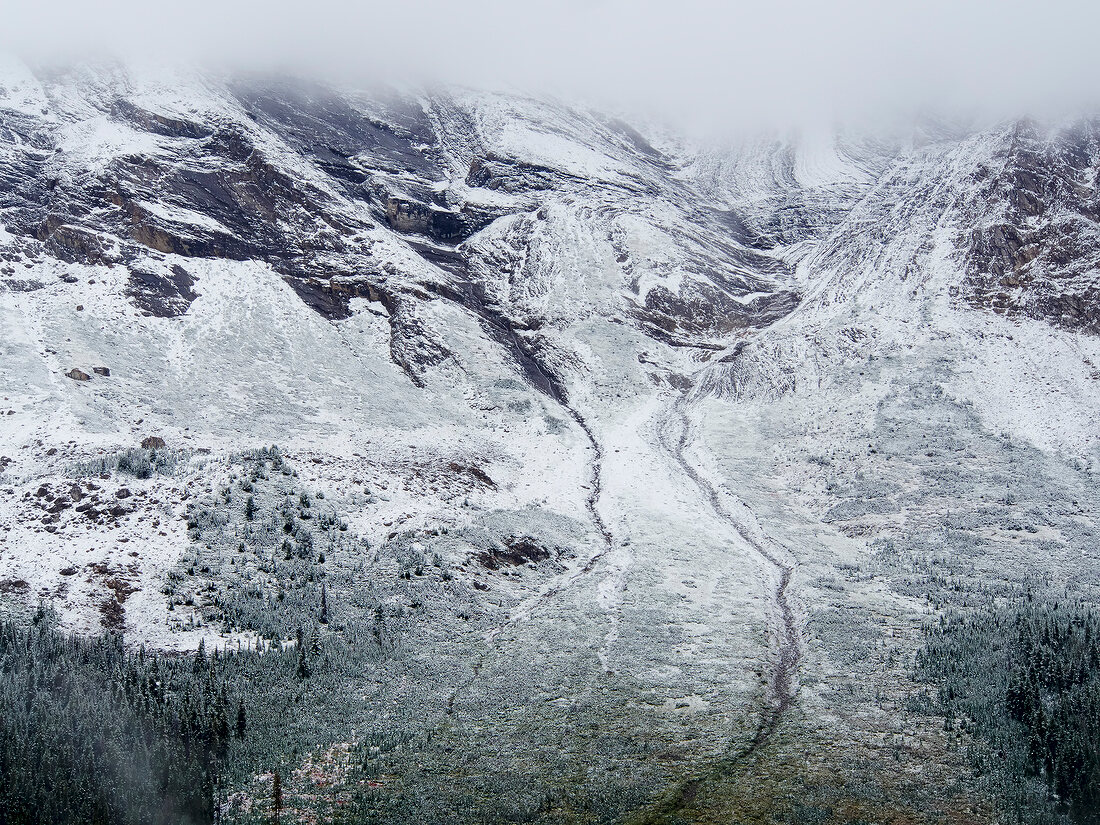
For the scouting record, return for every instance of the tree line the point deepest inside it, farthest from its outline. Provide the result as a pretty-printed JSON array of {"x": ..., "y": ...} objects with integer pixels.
[{"x": 1024, "y": 680}]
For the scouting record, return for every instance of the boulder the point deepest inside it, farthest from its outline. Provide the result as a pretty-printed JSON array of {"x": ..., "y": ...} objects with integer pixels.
[
  {"x": 78, "y": 375},
  {"x": 153, "y": 442}
]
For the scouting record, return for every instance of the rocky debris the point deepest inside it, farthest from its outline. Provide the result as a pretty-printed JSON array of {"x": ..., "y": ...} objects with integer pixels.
[
  {"x": 475, "y": 473},
  {"x": 112, "y": 614},
  {"x": 78, "y": 375},
  {"x": 161, "y": 292},
  {"x": 83, "y": 498},
  {"x": 115, "y": 580},
  {"x": 153, "y": 442},
  {"x": 517, "y": 550},
  {"x": 14, "y": 586}
]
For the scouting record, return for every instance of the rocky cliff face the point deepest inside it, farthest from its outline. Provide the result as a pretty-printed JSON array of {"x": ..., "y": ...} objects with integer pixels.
[
  {"x": 108, "y": 168},
  {"x": 103, "y": 170},
  {"x": 1035, "y": 253}
]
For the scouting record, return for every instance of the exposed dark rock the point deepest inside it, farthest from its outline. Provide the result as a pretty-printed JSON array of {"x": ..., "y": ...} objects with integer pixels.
[
  {"x": 413, "y": 347},
  {"x": 517, "y": 550},
  {"x": 165, "y": 294},
  {"x": 742, "y": 232},
  {"x": 475, "y": 473},
  {"x": 510, "y": 175},
  {"x": 216, "y": 190},
  {"x": 699, "y": 313},
  {"x": 156, "y": 123},
  {"x": 104, "y": 371},
  {"x": 635, "y": 139},
  {"x": 152, "y": 442},
  {"x": 76, "y": 244},
  {"x": 425, "y": 219},
  {"x": 343, "y": 140},
  {"x": 324, "y": 297},
  {"x": 1041, "y": 258},
  {"x": 78, "y": 375}
]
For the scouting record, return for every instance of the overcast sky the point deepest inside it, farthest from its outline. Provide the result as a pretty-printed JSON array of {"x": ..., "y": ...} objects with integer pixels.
[{"x": 760, "y": 63}]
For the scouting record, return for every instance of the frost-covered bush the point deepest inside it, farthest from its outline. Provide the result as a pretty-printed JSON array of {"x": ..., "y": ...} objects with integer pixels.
[{"x": 137, "y": 462}]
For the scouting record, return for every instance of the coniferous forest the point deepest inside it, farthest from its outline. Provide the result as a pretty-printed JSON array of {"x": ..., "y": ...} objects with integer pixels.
[
  {"x": 98, "y": 733},
  {"x": 1024, "y": 681},
  {"x": 94, "y": 732},
  {"x": 91, "y": 732}
]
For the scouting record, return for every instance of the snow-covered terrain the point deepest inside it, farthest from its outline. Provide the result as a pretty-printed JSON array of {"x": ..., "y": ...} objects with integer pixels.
[{"x": 679, "y": 444}]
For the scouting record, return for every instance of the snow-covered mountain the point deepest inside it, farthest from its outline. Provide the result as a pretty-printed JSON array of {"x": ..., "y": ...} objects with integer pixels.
[{"x": 648, "y": 458}]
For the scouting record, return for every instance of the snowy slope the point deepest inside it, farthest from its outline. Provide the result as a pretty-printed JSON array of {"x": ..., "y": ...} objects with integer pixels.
[{"x": 700, "y": 390}]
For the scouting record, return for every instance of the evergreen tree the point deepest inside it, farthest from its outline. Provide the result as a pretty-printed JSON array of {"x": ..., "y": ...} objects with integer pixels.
[
  {"x": 277, "y": 797},
  {"x": 200, "y": 658},
  {"x": 303, "y": 665}
]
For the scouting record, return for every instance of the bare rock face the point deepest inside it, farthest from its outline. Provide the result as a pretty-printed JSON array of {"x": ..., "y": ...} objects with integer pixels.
[
  {"x": 1039, "y": 254},
  {"x": 78, "y": 375},
  {"x": 162, "y": 291},
  {"x": 297, "y": 176},
  {"x": 418, "y": 218}
]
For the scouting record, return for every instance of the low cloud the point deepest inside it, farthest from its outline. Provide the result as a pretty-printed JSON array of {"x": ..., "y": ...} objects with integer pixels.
[{"x": 700, "y": 62}]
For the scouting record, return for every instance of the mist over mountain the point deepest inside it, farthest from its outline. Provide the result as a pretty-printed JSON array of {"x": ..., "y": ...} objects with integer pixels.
[
  {"x": 740, "y": 67},
  {"x": 568, "y": 414}
]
